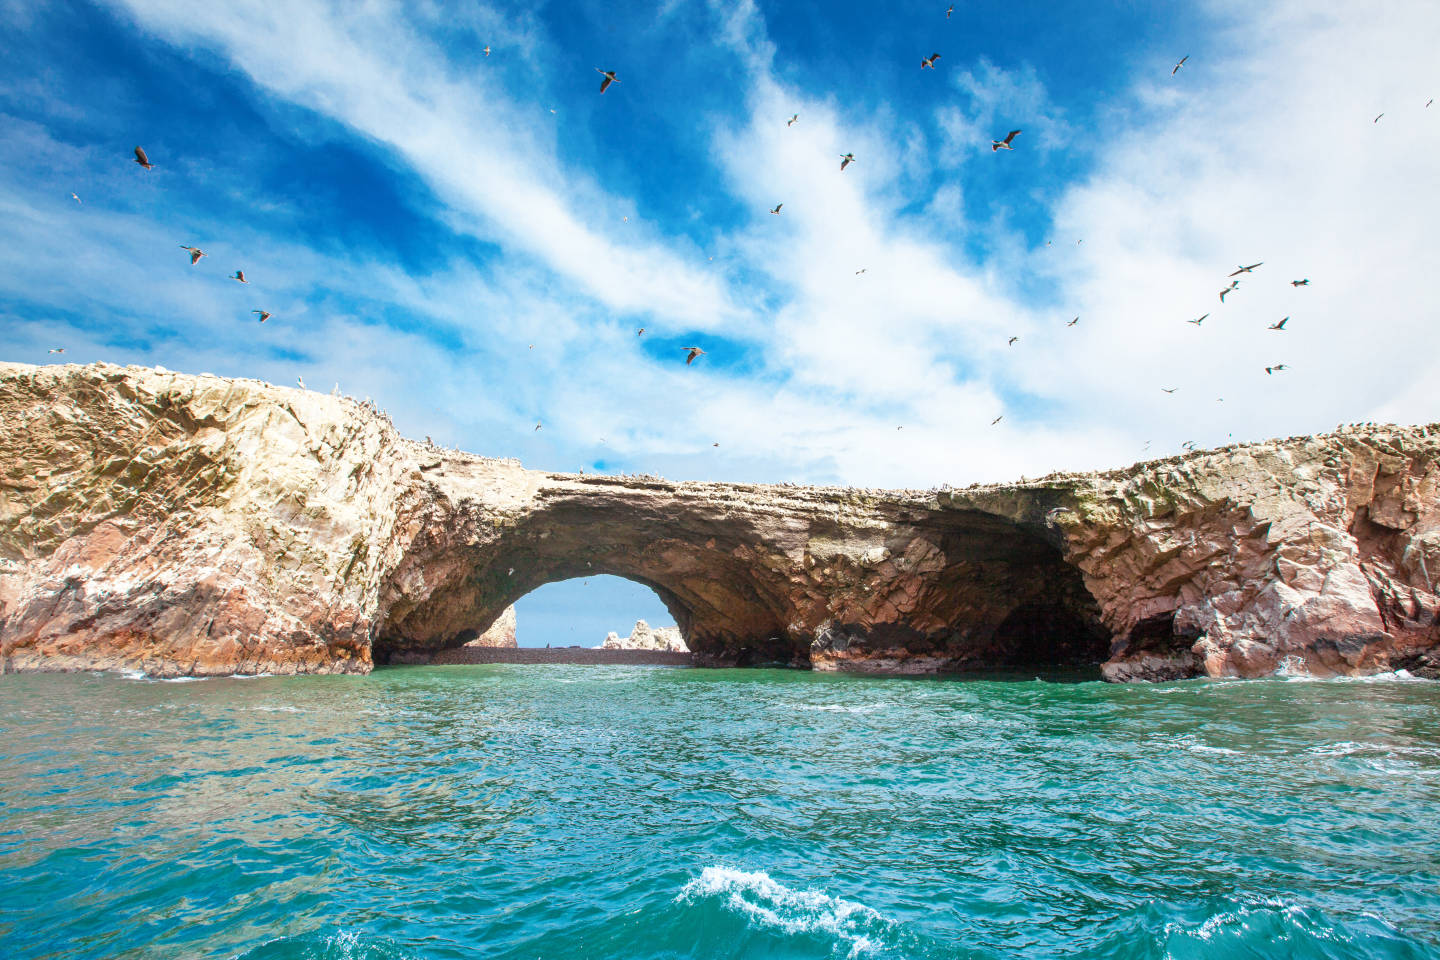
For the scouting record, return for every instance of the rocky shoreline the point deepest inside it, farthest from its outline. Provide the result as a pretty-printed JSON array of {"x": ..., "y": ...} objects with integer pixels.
[{"x": 199, "y": 525}]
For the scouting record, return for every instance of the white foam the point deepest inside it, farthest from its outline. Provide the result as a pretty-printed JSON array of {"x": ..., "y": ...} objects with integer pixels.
[
  {"x": 763, "y": 901},
  {"x": 840, "y": 708}
]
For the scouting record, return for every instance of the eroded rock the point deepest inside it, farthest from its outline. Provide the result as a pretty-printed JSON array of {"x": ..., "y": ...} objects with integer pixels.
[
  {"x": 645, "y": 637},
  {"x": 196, "y": 524}
]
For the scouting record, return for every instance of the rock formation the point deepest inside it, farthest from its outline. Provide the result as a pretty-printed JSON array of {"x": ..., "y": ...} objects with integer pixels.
[
  {"x": 500, "y": 634},
  {"x": 645, "y": 637},
  {"x": 202, "y": 525}
]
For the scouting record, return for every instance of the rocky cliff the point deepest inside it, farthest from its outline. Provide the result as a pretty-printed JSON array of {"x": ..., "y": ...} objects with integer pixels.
[
  {"x": 201, "y": 525},
  {"x": 645, "y": 637}
]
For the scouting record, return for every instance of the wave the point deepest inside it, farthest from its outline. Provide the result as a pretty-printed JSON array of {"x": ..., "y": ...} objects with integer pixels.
[
  {"x": 767, "y": 903},
  {"x": 840, "y": 708},
  {"x": 343, "y": 945},
  {"x": 1295, "y": 670}
]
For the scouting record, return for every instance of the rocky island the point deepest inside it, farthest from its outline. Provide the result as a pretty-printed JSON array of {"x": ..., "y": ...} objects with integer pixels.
[{"x": 199, "y": 525}]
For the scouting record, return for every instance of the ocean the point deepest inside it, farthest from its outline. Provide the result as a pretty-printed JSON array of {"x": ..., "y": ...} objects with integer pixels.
[{"x": 638, "y": 812}]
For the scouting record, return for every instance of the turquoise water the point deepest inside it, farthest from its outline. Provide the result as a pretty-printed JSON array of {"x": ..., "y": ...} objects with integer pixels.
[{"x": 595, "y": 812}]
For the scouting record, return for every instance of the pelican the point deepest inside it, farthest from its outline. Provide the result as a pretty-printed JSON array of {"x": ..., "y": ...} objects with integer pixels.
[
  {"x": 141, "y": 159},
  {"x": 195, "y": 254},
  {"x": 1277, "y": 326},
  {"x": 776, "y": 211},
  {"x": 609, "y": 76},
  {"x": 1239, "y": 270},
  {"x": 264, "y": 314},
  {"x": 240, "y": 275},
  {"x": 694, "y": 352},
  {"x": 1004, "y": 144},
  {"x": 1180, "y": 64},
  {"x": 846, "y": 159},
  {"x": 1300, "y": 283},
  {"x": 793, "y": 120},
  {"x": 929, "y": 61},
  {"x": 1199, "y": 321}
]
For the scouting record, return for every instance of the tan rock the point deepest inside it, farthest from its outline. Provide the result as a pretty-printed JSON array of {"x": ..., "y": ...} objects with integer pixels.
[
  {"x": 645, "y": 637},
  {"x": 196, "y": 524}
]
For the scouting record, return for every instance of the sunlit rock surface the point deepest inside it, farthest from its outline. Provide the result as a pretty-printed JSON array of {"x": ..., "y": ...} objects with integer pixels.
[
  {"x": 645, "y": 637},
  {"x": 202, "y": 525}
]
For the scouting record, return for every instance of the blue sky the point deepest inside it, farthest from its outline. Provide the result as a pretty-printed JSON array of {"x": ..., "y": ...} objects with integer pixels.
[{"x": 416, "y": 215}]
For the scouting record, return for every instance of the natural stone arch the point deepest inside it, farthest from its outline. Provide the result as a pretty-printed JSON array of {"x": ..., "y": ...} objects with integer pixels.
[{"x": 841, "y": 583}]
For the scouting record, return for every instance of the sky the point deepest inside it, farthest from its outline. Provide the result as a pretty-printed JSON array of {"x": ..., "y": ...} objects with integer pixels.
[{"x": 473, "y": 240}]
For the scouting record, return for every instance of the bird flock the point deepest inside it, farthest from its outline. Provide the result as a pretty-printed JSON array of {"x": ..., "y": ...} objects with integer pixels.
[{"x": 609, "y": 78}]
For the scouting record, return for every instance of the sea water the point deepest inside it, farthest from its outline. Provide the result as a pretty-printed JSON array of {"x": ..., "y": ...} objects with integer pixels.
[{"x": 632, "y": 812}]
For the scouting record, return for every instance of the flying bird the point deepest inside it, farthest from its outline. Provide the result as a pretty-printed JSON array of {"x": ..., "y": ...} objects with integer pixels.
[
  {"x": 640, "y": 331},
  {"x": 1278, "y": 366},
  {"x": 1430, "y": 101},
  {"x": 714, "y": 444},
  {"x": 264, "y": 314},
  {"x": 487, "y": 50},
  {"x": 1233, "y": 285},
  {"x": 1198, "y": 321},
  {"x": 846, "y": 159},
  {"x": 195, "y": 254},
  {"x": 1239, "y": 270},
  {"x": 1073, "y": 322},
  {"x": 929, "y": 61},
  {"x": 141, "y": 159},
  {"x": 1169, "y": 389},
  {"x": 949, "y": 10},
  {"x": 791, "y": 122},
  {"x": 1180, "y": 64},
  {"x": 609, "y": 76},
  {"x": 1004, "y": 144},
  {"x": 240, "y": 275},
  {"x": 301, "y": 381},
  {"x": 860, "y": 271},
  {"x": 1300, "y": 283},
  {"x": 77, "y": 199},
  {"x": 537, "y": 426},
  {"x": 997, "y": 419},
  {"x": 1277, "y": 326},
  {"x": 57, "y": 349},
  {"x": 1189, "y": 445},
  {"x": 694, "y": 352},
  {"x": 1377, "y": 119},
  {"x": 776, "y": 211},
  {"x": 1012, "y": 341}
]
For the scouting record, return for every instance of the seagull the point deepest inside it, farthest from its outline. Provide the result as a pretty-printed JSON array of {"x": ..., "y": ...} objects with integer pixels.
[
  {"x": 949, "y": 10},
  {"x": 609, "y": 76},
  {"x": 77, "y": 199},
  {"x": 792, "y": 121},
  {"x": 1073, "y": 322},
  {"x": 1169, "y": 389},
  {"x": 301, "y": 381},
  {"x": 486, "y": 51},
  {"x": 1004, "y": 144},
  {"x": 1278, "y": 366},
  {"x": 264, "y": 315},
  {"x": 195, "y": 254},
  {"x": 694, "y": 352},
  {"x": 240, "y": 275},
  {"x": 1233, "y": 285},
  {"x": 1377, "y": 119},
  {"x": 860, "y": 271},
  {"x": 57, "y": 349},
  {"x": 141, "y": 159},
  {"x": 1012, "y": 341},
  {"x": 846, "y": 159},
  {"x": 1199, "y": 321},
  {"x": 776, "y": 211},
  {"x": 929, "y": 61},
  {"x": 997, "y": 419},
  {"x": 1240, "y": 270},
  {"x": 640, "y": 331},
  {"x": 1180, "y": 64},
  {"x": 1277, "y": 326}
]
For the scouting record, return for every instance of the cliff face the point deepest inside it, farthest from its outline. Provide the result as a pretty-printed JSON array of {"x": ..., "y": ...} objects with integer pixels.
[{"x": 193, "y": 524}]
